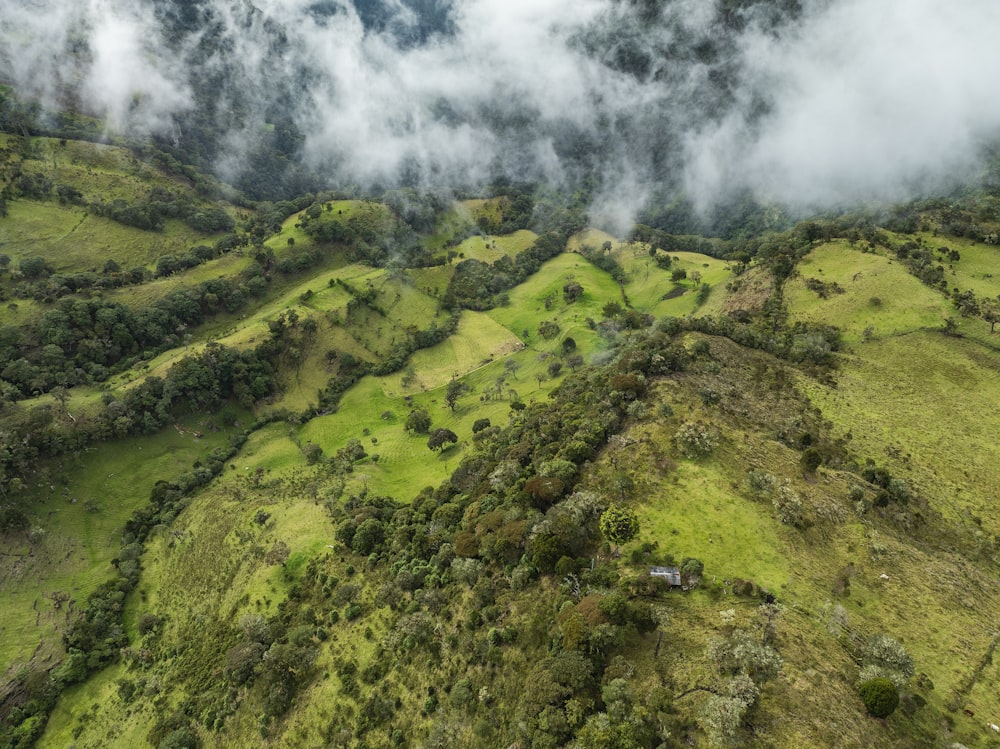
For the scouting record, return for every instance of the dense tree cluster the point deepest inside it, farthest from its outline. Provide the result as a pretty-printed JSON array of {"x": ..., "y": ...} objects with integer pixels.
[
  {"x": 478, "y": 285},
  {"x": 82, "y": 341}
]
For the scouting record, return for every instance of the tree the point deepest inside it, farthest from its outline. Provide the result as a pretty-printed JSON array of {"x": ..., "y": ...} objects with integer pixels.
[
  {"x": 991, "y": 313},
  {"x": 455, "y": 390},
  {"x": 885, "y": 657},
  {"x": 612, "y": 309},
  {"x": 692, "y": 567},
  {"x": 440, "y": 438},
  {"x": 34, "y": 267},
  {"x": 880, "y": 696},
  {"x": 696, "y": 440},
  {"x": 571, "y": 292},
  {"x": 548, "y": 329},
  {"x": 811, "y": 459},
  {"x": 418, "y": 421},
  {"x": 368, "y": 536},
  {"x": 619, "y": 524},
  {"x": 568, "y": 346}
]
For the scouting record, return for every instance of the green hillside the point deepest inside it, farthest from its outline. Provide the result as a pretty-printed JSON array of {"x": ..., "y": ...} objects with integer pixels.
[{"x": 376, "y": 472}]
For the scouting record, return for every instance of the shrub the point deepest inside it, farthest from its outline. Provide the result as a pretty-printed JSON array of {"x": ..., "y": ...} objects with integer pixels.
[
  {"x": 619, "y": 524},
  {"x": 418, "y": 421},
  {"x": 548, "y": 329},
  {"x": 880, "y": 696},
  {"x": 352, "y": 612},
  {"x": 811, "y": 459},
  {"x": 886, "y": 657},
  {"x": 696, "y": 440}
]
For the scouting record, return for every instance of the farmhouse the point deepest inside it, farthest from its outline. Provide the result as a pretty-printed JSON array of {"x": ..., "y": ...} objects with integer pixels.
[{"x": 671, "y": 574}]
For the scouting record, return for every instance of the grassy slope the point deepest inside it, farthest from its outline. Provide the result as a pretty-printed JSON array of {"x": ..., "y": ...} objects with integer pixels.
[
  {"x": 704, "y": 509},
  {"x": 71, "y": 238},
  {"x": 898, "y": 408},
  {"x": 489, "y": 249},
  {"x": 904, "y": 303},
  {"x": 82, "y": 506},
  {"x": 212, "y": 567}
]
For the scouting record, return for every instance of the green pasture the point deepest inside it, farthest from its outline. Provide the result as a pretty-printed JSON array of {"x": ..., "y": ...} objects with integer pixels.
[
  {"x": 475, "y": 208},
  {"x": 702, "y": 508},
  {"x": 335, "y": 211},
  {"x": 527, "y": 301},
  {"x": 877, "y": 292},
  {"x": 457, "y": 220},
  {"x": 647, "y": 284},
  {"x": 488, "y": 249},
  {"x": 374, "y": 410},
  {"x": 433, "y": 281},
  {"x": 81, "y": 502},
  {"x": 200, "y": 577},
  {"x": 146, "y": 294},
  {"x": 71, "y": 238},
  {"x": 698, "y": 515},
  {"x": 975, "y": 268},
  {"x": 311, "y": 296},
  {"x": 477, "y": 342},
  {"x": 405, "y": 465},
  {"x": 592, "y": 238},
  {"x": 928, "y": 406}
]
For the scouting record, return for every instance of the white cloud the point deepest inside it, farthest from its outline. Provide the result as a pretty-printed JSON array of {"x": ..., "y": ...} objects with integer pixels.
[
  {"x": 871, "y": 98},
  {"x": 864, "y": 98}
]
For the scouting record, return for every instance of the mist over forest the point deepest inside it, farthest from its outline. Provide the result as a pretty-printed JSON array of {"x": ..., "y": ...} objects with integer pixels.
[{"x": 642, "y": 105}]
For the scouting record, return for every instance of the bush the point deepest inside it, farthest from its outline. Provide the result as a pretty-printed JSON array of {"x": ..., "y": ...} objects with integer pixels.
[
  {"x": 418, "y": 421},
  {"x": 811, "y": 459},
  {"x": 880, "y": 696},
  {"x": 696, "y": 440}
]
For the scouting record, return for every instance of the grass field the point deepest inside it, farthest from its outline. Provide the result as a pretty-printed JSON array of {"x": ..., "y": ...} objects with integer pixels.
[
  {"x": 375, "y": 409},
  {"x": 703, "y": 508},
  {"x": 488, "y": 249},
  {"x": 527, "y": 306},
  {"x": 82, "y": 505},
  {"x": 647, "y": 284},
  {"x": 974, "y": 270},
  {"x": 71, "y": 238},
  {"x": 900, "y": 408},
  {"x": 877, "y": 292}
]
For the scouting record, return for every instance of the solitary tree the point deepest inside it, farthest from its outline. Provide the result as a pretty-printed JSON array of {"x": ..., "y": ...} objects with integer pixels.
[
  {"x": 571, "y": 292},
  {"x": 455, "y": 390},
  {"x": 880, "y": 697},
  {"x": 619, "y": 524},
  {"x": 418, "y": 421},
  {"x": 441, "y": 438}
]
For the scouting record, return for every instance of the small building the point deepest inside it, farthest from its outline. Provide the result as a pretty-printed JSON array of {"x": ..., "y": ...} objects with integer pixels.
[{"x": 671, "y": 574}]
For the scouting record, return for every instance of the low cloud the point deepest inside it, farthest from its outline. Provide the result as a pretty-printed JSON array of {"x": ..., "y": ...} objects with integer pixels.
[
  {"x": 869, "y": 99},
  {"x": 841, "y": 101}
]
